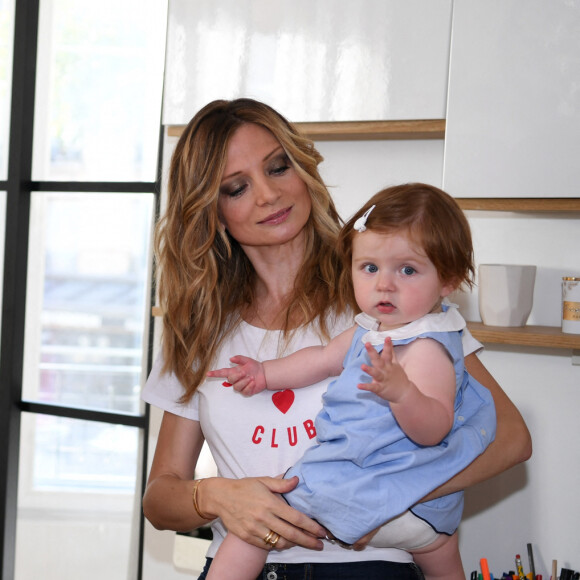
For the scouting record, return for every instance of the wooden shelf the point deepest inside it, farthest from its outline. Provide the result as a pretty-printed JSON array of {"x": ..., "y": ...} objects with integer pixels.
[
  {"x": 374, "y": 130},
  {"x": 531, "y": 204},
  {"x": 540, "y": 336},
  {"x": 362, "y": 130}
]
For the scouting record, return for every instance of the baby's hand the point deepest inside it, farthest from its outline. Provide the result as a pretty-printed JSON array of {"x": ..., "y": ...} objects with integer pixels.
[
  {"x": 390, "y": 380},
  {"x": 247, "y": 377}
]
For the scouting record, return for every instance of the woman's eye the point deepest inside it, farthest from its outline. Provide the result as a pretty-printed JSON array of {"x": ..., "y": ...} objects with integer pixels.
[
  {"x": 234, "y": 190},
  {"x": 280, "y": 169},
  {"x": 408, "y": 270},
  {"x": 371, "y": 268},
  {"x": 280, "y": 166}
]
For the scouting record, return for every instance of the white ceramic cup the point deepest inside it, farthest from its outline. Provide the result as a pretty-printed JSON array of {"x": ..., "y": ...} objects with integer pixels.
[{"x": 506, "y": 294}]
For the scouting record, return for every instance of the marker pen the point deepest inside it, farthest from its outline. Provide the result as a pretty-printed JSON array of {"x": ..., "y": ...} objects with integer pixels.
[{"x": 484, "y": 569}]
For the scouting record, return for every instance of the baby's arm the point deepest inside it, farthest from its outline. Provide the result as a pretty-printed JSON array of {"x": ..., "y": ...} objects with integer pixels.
[
  {"x": 299, "y": 369},
  {"x": 419, "y": 383}
]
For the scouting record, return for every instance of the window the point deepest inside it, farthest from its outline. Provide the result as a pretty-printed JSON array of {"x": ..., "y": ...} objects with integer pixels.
[
  {"x": 98, "y": 90},
  {"x": 81, "y": 192}
]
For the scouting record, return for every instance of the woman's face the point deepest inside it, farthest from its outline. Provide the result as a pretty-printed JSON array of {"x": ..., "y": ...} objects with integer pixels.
[{"x": 262, "y": 201}]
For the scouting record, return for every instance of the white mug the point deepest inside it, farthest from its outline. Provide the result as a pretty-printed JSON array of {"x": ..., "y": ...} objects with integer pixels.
[{"x": 506, "y": 293}]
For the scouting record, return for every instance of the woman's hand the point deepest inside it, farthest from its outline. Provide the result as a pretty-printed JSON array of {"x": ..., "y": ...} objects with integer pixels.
[
  {"x": 362, "y": 543},
  {"x": 251, "y": 508}
]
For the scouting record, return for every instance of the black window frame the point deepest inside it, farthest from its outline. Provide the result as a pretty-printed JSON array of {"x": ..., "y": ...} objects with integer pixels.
[{"x": 19, "y": 187}]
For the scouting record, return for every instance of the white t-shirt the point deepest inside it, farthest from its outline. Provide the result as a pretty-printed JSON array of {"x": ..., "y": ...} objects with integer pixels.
[{"x": 265, "y": 434}]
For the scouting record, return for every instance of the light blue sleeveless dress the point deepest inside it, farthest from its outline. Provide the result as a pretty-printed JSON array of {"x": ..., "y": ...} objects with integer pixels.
[{"x": 364, "y": 469}]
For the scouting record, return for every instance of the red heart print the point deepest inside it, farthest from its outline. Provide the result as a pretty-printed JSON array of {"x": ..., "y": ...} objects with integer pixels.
[
  {"x": 283, "y": 400},
  {"x": 226, "y": 384}
]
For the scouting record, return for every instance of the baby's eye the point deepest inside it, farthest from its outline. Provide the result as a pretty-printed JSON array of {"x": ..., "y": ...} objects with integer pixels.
[
  {"x": 371, "y": 268},
  {"x": 408, "y": 270}
]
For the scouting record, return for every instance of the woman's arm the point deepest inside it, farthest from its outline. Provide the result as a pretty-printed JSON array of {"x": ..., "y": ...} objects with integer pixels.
[
  {"x": 167, "y": 502},
  {"x": 512, "y": 443},
  {"x": 248, "y": 507}
]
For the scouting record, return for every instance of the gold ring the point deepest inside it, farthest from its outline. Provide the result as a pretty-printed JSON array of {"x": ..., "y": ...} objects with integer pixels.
[
  {"x": 268, "y": 537},
  {"x": 274, "y": 540}
]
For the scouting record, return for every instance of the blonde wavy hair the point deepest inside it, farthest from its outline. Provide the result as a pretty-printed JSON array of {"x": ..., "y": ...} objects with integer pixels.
[{"x": 205, "y": 280}]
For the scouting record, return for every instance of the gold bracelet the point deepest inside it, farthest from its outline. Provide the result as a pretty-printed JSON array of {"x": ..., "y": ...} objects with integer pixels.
[{"x": 194, "y": 498}]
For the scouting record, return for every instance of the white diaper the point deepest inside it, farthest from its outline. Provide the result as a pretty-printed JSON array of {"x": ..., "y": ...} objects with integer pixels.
[{"x": 407, "y": 532}]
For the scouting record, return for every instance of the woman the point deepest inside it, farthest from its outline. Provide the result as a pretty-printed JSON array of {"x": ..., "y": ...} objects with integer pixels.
[{"x": 247, "y": 260}]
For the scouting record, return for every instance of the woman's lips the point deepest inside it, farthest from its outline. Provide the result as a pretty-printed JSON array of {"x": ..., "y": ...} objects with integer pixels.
[{"x": 277, "y": 217}]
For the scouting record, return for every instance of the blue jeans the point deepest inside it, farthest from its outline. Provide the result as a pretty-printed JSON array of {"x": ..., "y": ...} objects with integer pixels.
[{"x": 374, "y": 570}]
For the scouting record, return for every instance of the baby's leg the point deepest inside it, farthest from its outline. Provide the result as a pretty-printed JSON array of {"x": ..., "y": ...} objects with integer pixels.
[
  {"x": 237, "y": 559},
  {"x": 440, "y": 559}
]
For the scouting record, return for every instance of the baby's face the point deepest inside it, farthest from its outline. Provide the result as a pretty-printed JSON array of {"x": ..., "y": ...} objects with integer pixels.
[{"x": 394, "y": 280}]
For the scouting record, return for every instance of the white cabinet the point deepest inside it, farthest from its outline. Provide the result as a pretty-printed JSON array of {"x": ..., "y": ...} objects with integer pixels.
[
  {"x": 513, "y": 117},
  {"x": 322, "y": 60}
]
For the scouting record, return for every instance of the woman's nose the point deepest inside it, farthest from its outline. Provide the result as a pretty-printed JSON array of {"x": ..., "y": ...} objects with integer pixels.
[{"x": 265, "y": 193}]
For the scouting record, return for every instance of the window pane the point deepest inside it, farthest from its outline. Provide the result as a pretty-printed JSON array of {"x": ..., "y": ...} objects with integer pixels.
[
  {"x": 99, "y": 85},
  {"x": 76, "y": 488},
  {"x": 6, "y": 34},
  {"x": 87, "y": 299}
]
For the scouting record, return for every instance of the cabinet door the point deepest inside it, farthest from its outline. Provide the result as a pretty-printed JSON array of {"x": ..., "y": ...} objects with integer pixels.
[
  {"x": 322, "y": 60},
  {"x": 513, "y": 120}
]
